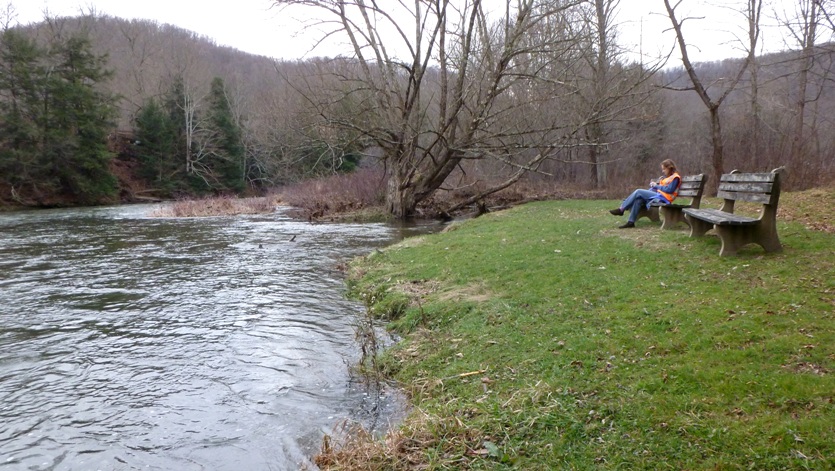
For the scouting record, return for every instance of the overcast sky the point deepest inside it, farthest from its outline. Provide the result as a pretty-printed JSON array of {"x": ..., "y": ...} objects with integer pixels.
[{"x": 256, "y": 27}]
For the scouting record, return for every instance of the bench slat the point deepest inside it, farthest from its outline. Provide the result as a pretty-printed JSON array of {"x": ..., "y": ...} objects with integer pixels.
[
  {"x": 747, "y": 177},
  {"x": 721, "y": 218},
  {"x": 692, "y": 186},
  {"x": 750, "y": 197},
  {"x": 659, "y": 204},
  {"x": 748, "y": 187}
]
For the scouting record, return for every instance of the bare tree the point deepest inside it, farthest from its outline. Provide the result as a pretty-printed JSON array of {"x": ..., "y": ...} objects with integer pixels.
[
  {"x": 189, "y": 77},
  {"x": 803, "y": 27},
  {"x": 609, "y": 91},
  {"x": 143, "y": 54},
  {"x": 466, "y": 88},
  {"x": 753, "y": 13},
  {"x": 717, "y": 159},
  {"x": 601, "y": 68},
  {"x": 8, "y": 16}
]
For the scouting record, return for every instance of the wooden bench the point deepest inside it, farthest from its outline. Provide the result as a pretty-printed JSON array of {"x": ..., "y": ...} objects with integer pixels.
[
  {"x": 692, "y": 186},
  {"x": 735, "y": 230}
]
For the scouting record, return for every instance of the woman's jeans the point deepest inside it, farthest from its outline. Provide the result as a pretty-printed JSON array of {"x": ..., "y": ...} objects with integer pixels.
[{"x": 633, "y": 202}]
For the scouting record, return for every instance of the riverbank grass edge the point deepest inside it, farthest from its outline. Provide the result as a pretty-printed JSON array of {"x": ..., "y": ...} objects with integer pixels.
[{"x": 542, "y": 337}]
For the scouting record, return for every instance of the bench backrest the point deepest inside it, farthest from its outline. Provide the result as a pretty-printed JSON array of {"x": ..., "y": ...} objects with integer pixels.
[
  {"x": 752, "y": 187},
  {"x": 761, "y": 188},
  {"x": 693, "y": 186}
]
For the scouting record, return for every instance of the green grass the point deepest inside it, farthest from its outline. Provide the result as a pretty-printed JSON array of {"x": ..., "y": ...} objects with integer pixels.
[{"x": 542, "y": 337}]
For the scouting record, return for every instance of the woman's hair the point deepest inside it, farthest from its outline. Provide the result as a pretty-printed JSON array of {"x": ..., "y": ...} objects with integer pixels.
[{"x": 670, "y": 165}]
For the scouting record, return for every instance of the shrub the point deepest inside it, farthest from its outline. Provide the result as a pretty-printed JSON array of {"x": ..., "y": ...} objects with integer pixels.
[{"x": 341, "y": 193}]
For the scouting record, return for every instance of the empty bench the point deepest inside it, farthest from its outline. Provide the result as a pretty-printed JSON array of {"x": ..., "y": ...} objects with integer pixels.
[
  {"x": 692, "y": 186},
  {"x": 735, "y": 230}
]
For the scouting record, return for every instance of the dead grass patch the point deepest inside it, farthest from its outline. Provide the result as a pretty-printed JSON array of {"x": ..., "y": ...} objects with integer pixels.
[
  {"x": 810, "y": 208},
  {"x": 649, "y": 237},
  {"x": 806, "y": 367},
  {"x": 418, "y": 289},
  {"x": 218, "y": 206},
  {"x": 354, "y": 448},
  {"x": 467, "y": 293},
  {"x": 798, "y": 363},
  {"x": 411, "y": 242}
]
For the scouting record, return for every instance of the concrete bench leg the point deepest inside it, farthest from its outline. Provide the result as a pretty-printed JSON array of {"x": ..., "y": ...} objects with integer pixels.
[
  {"x": 698, "y": 227},
  {"x": 672, "y": 216},
  {"x": 651, "y": 214},
  {"x": 734, "y": 237}
]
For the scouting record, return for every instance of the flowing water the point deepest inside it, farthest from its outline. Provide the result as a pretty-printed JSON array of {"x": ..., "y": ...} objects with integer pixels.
[{"x": 129, "y": 342}]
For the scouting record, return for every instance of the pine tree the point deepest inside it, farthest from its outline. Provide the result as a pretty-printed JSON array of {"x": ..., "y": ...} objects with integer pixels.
[
  {"x": 78, "y": 119},
  {"x": 21, "y": 84},
  {"x": 228, "y": 149},
  {"x": 157, "y": 150}
]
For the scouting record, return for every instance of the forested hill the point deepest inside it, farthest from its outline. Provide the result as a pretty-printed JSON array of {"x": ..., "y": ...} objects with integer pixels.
[
  {"x": 146, "y": 57},
  {"x": 184, "y": 116}
]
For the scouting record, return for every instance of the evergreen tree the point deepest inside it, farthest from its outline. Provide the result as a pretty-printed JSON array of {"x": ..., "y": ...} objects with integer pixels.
[
  {"x": 157, "y": 150},
  {"x": 225, "y": 133},
  {"x": 182, "y": 149},
  {"x": 21, "y": 83},
  {"x": 78, "y": 119}
]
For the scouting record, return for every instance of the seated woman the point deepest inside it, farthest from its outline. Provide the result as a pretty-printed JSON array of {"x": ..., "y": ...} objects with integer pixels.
[{"x": 665, "y": 190}]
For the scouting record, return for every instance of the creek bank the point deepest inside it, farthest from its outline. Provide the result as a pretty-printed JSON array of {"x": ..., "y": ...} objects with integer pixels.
[{"x": 527, "y": 345}]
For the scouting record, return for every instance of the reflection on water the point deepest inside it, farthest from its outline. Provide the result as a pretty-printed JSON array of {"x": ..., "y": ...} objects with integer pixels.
[{"x": 192, "y": 344}]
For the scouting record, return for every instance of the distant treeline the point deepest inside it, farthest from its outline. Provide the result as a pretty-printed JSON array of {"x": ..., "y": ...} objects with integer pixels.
[{"x": 97, "y": 108}]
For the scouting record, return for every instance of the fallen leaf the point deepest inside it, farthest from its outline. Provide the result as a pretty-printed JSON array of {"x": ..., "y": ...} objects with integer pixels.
[{"x": 492, "y": 449}]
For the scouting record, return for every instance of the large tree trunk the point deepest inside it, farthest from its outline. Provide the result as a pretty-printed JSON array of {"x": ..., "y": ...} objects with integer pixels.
[
  {"x": 712, "y": 105},
  {"x": 601, "y": 77},
  {"x": 753, "y": 13},
  {"x": 807, "y": 60},
  {"x": 717, "y": 161},
  {"x": 595, "y": 138},
  {"x": 476, "y": 83},
  {"x": 400, "y": 196}
]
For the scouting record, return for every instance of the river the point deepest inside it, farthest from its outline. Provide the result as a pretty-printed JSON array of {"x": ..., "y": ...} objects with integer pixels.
[{"x": 224, "y": 343}]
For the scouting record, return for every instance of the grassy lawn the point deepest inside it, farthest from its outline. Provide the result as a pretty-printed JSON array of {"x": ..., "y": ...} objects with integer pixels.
[{"x": 543, "y": 337}]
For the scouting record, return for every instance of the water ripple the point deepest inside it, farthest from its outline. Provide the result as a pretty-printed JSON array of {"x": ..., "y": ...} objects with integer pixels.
[{"x": 128, "y": 342}]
